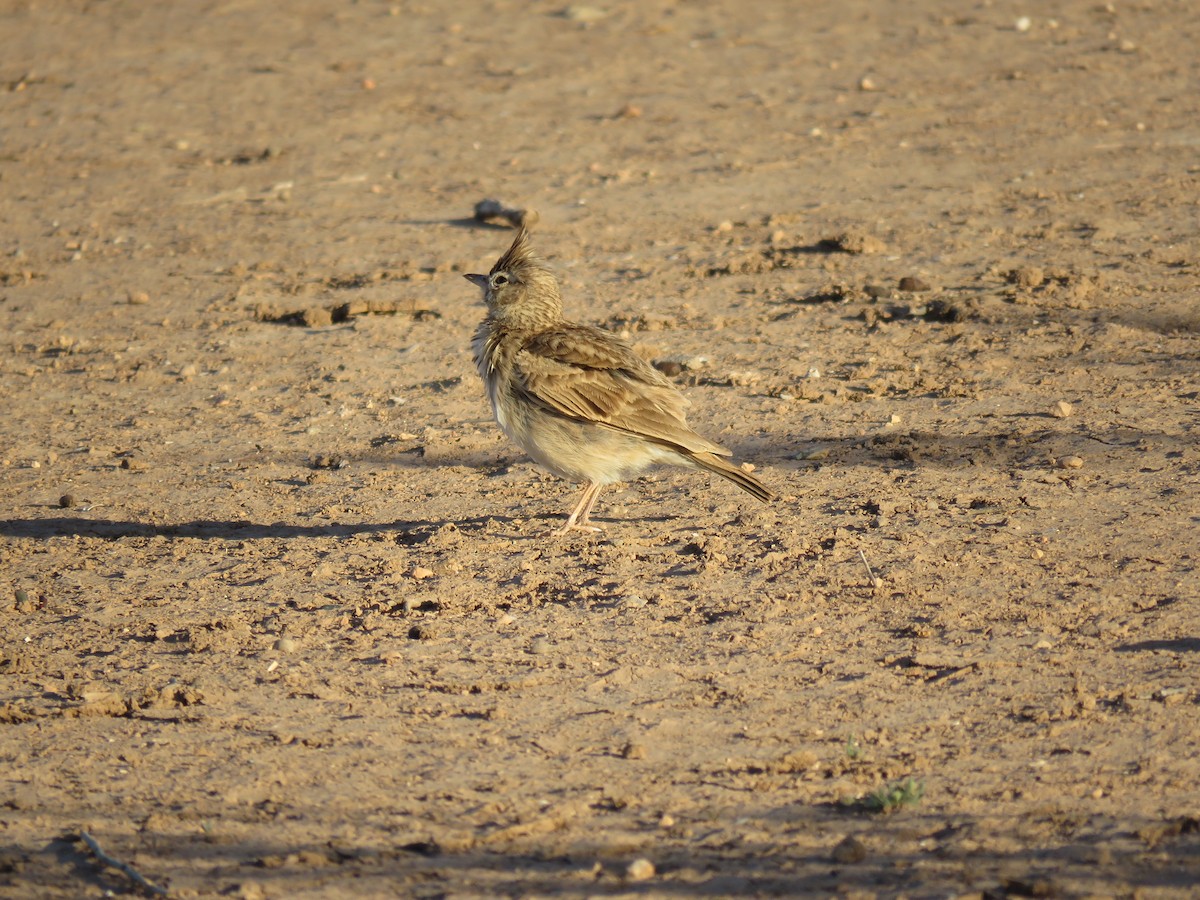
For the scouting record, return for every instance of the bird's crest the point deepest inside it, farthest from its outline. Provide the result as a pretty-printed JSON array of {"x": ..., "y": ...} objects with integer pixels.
[{"x": 520, "y": 254}]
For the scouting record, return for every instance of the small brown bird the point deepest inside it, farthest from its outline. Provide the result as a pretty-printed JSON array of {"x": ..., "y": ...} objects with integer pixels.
[{"x": 576, "y": 398}]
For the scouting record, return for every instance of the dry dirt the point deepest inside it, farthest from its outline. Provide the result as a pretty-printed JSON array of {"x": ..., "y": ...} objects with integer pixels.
[{"x": 280, "y": 612}]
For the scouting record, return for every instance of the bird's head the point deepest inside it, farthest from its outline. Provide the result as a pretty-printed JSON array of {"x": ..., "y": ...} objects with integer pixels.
[{"x": 519, "y": 285}]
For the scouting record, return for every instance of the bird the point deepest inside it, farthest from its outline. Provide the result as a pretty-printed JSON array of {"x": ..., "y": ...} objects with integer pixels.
[{"x": 578, "y": 399}]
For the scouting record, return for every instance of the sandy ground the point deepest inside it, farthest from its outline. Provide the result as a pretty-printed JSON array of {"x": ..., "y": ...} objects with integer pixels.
[{"x": 280, "y": 613}]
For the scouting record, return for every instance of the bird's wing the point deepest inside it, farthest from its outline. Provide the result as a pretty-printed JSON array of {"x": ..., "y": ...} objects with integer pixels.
[{"x": 588, "y": 374}]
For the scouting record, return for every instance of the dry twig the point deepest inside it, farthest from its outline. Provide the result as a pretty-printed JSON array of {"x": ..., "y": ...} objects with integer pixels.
[{"x": 138, "y": 878}]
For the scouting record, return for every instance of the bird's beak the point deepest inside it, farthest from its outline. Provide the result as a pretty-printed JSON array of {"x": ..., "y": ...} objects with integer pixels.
[{"x": 478, "y": 280}]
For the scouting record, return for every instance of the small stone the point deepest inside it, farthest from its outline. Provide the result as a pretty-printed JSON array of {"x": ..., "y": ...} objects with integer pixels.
[
  {"x": 580, "y": 12},
  {"x": 420, "y": 573},
  {"x": 1026, "y": 276},
  {"x": 913, "y": 284},
  {"x": 66, "y": 501},
  {"x": 420, "y": 633},
  {"x": 285, "y": 645},
  {"x": 633, "y": 751},
  {"x": 867, "y": 83},
  {"x": 743, "y": 378},
  {"x": 667, "y": 821},
  {"x": 539, "y": 646},
  {"x": 491, "y": 210},
  {"x": 854, "y": 242},
  {"x": 1069, "y": 462},
  {"x": 24, "y": 604},
  {"x": 316, "y": 317},
  {"x": 1023, "y": 24},
  {"x": 1061, "y": 410},
  {"x": 640, "y": 870},
  {"x": 849, "y": 850},
  {"x": 675, "y": 365},
  {"x": 138, "y": 298}
]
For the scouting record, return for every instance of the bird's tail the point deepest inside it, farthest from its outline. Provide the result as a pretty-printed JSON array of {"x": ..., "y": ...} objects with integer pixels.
[{"x": 726, "y": 469}]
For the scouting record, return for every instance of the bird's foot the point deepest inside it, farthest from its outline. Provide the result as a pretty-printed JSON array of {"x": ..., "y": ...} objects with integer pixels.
[{"x": 576, "y": 526}]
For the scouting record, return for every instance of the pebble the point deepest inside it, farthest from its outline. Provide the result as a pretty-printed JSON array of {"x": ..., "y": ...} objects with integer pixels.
[
  {"x": 1062, "y": 409},
  {"x": 640, "y": 870},
  {"x": 854, "y": 242},
  {"x": 66, "y": 501},
  {"x": 420, "y": 573},
  {"x": 539, "y": 646},
  {"x": 285, "y": 645},
  {"x": 849, "y": 850},
  {"x": 633, "y": 751},
  {"x": 913, "y": 283},
  {"x": 1070, "y": 462},
  {"x": 674, "y": 365},
  {"x": 1026, "y": 276},
  {"x": 579, "y": 12}
]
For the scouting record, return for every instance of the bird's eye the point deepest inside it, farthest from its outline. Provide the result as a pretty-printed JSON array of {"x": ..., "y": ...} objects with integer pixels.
[{"x": 499, "y": 279}]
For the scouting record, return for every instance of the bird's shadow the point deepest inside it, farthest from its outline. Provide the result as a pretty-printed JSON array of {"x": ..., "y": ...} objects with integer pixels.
[
  {"x": 415, "y": 531},
  {"x": 468, "y": 222}
]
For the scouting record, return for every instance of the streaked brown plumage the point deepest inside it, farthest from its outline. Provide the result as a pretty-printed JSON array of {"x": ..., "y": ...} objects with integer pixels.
[{"x": 578, "y": 399}]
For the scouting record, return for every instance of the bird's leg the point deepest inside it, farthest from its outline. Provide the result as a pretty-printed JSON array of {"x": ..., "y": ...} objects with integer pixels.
[{"x": 578, "y": 520}]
